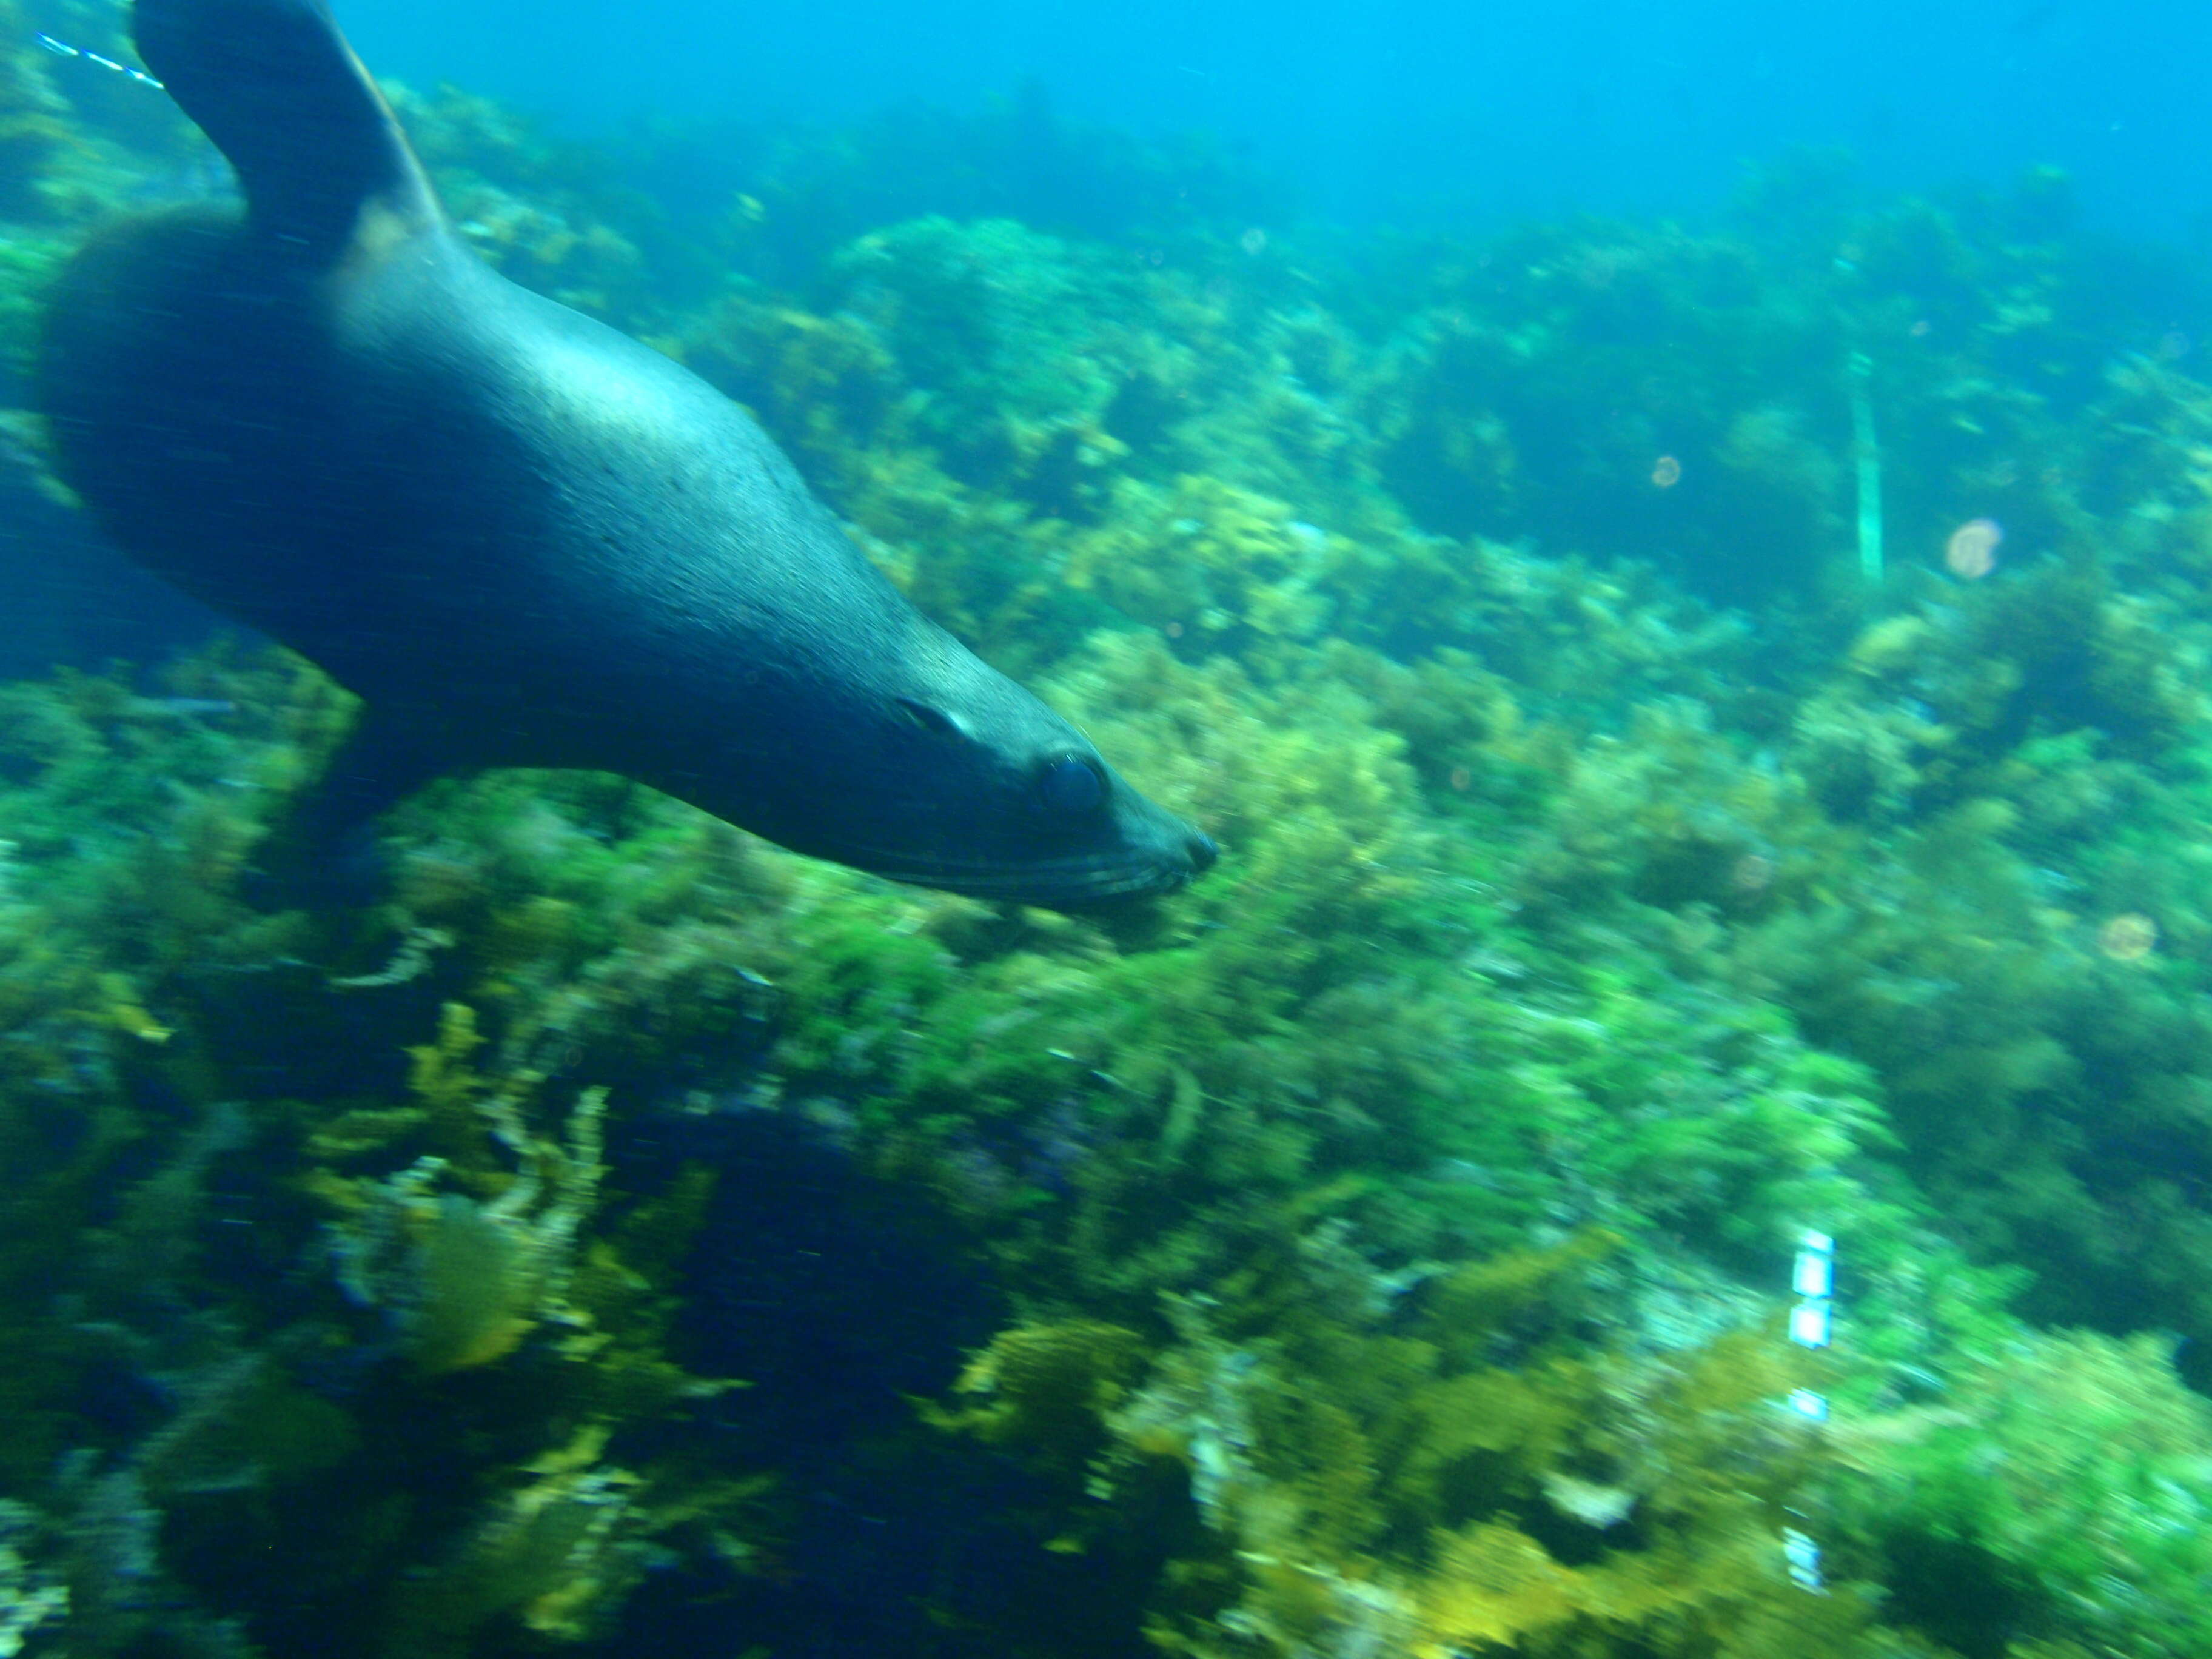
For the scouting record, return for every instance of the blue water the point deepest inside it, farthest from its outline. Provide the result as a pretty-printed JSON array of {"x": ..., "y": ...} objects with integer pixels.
[{"x": 1499, "y": 111}]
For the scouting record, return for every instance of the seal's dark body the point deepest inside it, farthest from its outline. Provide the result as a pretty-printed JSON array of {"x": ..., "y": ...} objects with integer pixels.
[{"x": 521, "y": 537}]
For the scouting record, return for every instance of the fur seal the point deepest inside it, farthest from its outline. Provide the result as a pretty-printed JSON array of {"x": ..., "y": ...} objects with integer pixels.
[{"x": 522, "y": 538}]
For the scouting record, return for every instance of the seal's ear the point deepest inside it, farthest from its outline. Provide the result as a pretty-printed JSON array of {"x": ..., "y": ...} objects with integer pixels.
[{"x": 274, "y": 83}]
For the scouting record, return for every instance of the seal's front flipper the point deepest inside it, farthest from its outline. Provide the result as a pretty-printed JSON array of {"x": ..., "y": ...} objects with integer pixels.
[
  {"x": 325, "y": 853},
  {"x": 274, "y": 83}
]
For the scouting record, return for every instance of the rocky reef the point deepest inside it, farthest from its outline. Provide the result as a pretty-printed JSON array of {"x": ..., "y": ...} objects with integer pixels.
[{"x": 1707, "y": 730}]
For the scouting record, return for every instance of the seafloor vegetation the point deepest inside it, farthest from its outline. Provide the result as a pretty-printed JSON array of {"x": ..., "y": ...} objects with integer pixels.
[{"x": 626, "y": 1237}]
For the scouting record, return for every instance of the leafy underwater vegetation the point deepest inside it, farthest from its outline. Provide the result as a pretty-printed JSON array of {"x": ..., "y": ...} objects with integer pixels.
[{"x": 625, "y": 1236}]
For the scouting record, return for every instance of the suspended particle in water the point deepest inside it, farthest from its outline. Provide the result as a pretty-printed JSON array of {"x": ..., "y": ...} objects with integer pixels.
[
  {"x": 1253, "y": 240},
  {"x": 2128, "y": 937},
  {"x": 1971, "y": 552},
  {"x": 1173, "y": 630},
  {"x": 1752, "y": 874},
  {"x": 1666, "y": 473},
  {"x": 1919, "y": 329},
  {"x": 1461, "y": 779}
]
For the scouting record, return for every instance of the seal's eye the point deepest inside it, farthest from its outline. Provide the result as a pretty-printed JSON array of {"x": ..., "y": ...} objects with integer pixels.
[
  {"x": 935, "y": 721},
  {"x": 1071, "y": 786}
]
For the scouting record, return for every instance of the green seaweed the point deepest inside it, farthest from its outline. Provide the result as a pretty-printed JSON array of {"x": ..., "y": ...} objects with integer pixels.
[{"x": 1390, "y": 1230}]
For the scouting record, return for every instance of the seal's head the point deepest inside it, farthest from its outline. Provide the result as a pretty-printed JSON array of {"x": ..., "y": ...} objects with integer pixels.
[{"x": 952, "y": 775}]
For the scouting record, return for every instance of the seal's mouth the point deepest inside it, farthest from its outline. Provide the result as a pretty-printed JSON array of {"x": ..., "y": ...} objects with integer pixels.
[{"x": 1067, "y": 884}]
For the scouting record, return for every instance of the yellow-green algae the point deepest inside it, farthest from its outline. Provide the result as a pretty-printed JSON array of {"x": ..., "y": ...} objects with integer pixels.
[{"x": 1390, "y": 1230}]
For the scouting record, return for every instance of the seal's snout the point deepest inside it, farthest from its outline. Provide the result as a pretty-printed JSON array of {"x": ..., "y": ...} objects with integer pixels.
[{"x": 1201, "y": 852}]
